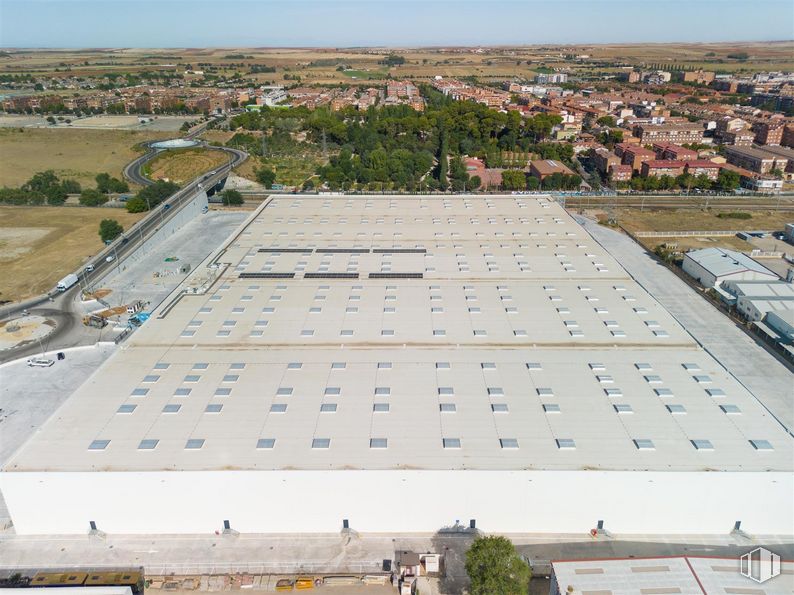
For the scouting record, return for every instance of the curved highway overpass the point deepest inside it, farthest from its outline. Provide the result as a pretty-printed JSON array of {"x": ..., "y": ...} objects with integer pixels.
[{"x": 60, "y": 305}]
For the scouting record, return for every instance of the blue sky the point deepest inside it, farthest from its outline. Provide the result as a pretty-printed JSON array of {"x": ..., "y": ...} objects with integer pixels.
[{"x": 226, "y": 23}]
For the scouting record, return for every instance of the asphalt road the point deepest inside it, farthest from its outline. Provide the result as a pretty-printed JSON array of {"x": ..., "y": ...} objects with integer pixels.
[{"x": 60, "y": 305}]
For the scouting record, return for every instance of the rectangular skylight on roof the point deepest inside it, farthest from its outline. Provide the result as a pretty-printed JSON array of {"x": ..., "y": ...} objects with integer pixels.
[
  {"x": 378, "y": 443},
  {"x": 328, "y": 408},
  {"x": 139, "y": 392},
  {"x": 182, "y": 392},
  {"x": 442, "y": 366},
  {"x": 265, "y": 443},
  {"x": 597, "y": 367},
  {"x": 702, "y": 379},
  {"x": 384, "y": 365},
  {"x": 622, "y": 408},
  {"x": 644, "y": 444},
  {"x": 191, "y": 378},
  {"x": 380, "y": 407},
  {"x": 321, "y": 443},
  {"x": 551, "y": 408},
  {"x": 284, "y": 391},
  {"x": 450, "y": 442},
  {"x": 535, "y": 366},
  {"x": 278, "y": 408},
  {"x": 702, "y": 444},
  {"x": 128, "y": 408},
  {"x": 332, "y": 390},
  {"x": 446, "y": 390},
  {"x": 172, "y": 408},
  {"x": 663, "y": 392},
  {"x": 642, "y": 367},
  {"x": 565, "y": 443},
  {"x": 653, "y": 379},
  {"x": 223, "y": 392},
  {"x": 715, "y": 392},
  {"x": 691, "y": 367},
  {"x": 495, "y": 391},
  {"x": 510, "y": 443},
  {"x": 544, "y": 392},
  {"x": 98, "y": 445},
  {"x": 730, "y": 409},
  {"x": 761, "y": 444},
  {"x": 294, "y": 366},
  {"x": 151, "y": 378},
  {"x": 194, "y": 444},
  {"x": 213, "y": 408},
  {"x": 338, "y": 365},
  {"x": 499, "y": 407},
  {"x": 148, "y": 444},
  {"x": 613, "y": 392},
  {"x": 447, "y": 407}
]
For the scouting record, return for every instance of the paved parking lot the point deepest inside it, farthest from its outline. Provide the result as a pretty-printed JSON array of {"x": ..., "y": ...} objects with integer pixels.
[
  {"x": 763, "y": 375},
  {"x": 190, "y": 245}
]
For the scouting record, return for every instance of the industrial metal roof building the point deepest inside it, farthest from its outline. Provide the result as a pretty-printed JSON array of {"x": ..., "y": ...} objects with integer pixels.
[{"x": 404, "y": 363}]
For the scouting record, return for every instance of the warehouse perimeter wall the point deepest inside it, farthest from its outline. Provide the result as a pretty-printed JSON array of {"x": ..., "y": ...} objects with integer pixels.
[{"x": 399, "y": 501}]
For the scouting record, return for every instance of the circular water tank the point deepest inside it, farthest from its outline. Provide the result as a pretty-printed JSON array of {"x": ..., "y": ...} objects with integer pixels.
[{"x": 174, "y": 143}]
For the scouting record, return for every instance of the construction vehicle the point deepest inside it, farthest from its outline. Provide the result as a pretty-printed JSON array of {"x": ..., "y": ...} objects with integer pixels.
[{"x": 95, "y": 321}]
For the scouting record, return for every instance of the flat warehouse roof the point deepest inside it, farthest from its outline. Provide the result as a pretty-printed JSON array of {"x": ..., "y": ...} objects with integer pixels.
[{"x": 410, "y": 333}]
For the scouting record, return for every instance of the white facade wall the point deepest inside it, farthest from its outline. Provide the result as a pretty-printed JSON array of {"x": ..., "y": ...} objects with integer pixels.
[
  {"x": 708, "y": 279},
  {"x": 400, "y": 501}
]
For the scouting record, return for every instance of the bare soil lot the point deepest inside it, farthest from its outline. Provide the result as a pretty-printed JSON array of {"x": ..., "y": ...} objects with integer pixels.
[
  {"x": 39, "y": 245},
  {"x": 79, "y": 154}
]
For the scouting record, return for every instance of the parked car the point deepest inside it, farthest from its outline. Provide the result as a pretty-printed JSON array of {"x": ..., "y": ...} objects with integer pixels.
[
  {"x": 89, "y": 268},
  {"x": 109, "y": 258},
  {"x": 40, "y": 362}
]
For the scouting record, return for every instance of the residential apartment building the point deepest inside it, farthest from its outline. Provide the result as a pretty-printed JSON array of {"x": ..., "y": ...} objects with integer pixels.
[
  {"x": 674, "y": 152},
  {"x": 662, "y": 167},
  {"x": 677, "y": 134},
  {"x": 768, "y": 133},
  {"x": 760, "y": 161},
  {"x": 634, "y": 155}
]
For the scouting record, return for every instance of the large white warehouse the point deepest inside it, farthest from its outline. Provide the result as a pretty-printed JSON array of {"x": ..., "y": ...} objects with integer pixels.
[{"x": 403, "y": 363}]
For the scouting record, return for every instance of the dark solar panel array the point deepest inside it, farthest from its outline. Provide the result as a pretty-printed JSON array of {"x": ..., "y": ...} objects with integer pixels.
[
  {"x": 330, "y": 276},
  {"x": 266, "y": 275}
]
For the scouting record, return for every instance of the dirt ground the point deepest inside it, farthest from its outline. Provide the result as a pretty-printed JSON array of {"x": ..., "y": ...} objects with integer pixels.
[
  {"x": 183, "y": 165},
  {"x": 39, "y": 245},
  {"x": 79, "y": 154}
]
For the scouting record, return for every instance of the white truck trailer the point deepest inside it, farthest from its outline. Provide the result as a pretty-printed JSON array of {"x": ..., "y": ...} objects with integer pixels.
[{"x": 67, "y": 282}]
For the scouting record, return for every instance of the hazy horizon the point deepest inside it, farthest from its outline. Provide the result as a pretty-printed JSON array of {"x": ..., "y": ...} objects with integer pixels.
[{"x": 149, "y": 24}]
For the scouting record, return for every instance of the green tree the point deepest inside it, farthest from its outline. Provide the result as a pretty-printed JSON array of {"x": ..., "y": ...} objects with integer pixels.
[
  {"x": 232, "y": 197},
  {"x": 514, "y": 179},
  {"x": 728, "y": 180},
  {"x": 606, "y": 121},
  {"x": 107, "y": 184},
  {"x": 109, "y": 230},
  {"x": 266, "y": 177},
  {"x": 136, "y": 205},
  {"x": 92, "y": 198},
  {"x": 495, "y": 568}
]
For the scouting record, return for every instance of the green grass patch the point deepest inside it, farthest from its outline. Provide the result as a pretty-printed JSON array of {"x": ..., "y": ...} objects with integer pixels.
[{"x": 735, "y": 215}]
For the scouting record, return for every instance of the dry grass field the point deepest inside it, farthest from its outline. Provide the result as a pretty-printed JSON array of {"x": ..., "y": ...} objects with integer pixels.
[
  {"x": 319, "y": 65},
  {"x": 39, "y": 245},
  {"x": 688, "y": 220},
  {"x": 183, "y": 165},
  {"x": 71, "y": 153}
]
